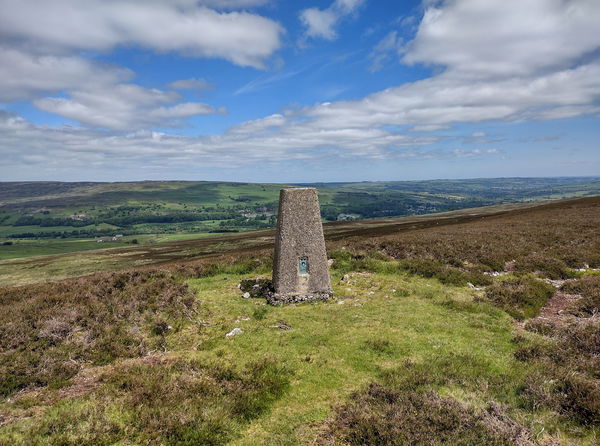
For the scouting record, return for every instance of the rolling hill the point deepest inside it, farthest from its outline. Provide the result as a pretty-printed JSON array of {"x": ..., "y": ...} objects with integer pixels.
[
  {"x": 38, "y": 218},
  {"x": 475, "y": 327}
]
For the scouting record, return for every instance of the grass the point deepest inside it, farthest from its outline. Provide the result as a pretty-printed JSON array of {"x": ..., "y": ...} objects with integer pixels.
[
  {"x": 407, "y": 352},
  {"x": 48, "y": 332},
  {"x": 522, "y": 296},
  {"x": 416, "y": 341},
  {"x": 565, "y": 376},
  {"x": 460, "y": 245},
  {"x": 30, "y": 248},
  {"x": 24, "y": 248},
  {"x": 171, "y": 402},
  {"x": 332, "y": 350}
]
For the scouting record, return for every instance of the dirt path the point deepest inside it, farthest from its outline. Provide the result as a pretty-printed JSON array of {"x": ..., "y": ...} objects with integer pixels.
[{"x": 554, "y": 310}]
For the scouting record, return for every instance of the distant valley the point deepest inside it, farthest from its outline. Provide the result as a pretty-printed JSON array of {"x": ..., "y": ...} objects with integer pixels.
[{"x": 40, "y": 218}]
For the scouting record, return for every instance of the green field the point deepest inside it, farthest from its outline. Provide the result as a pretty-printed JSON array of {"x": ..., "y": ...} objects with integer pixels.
[{"x": 41, "y": 218}]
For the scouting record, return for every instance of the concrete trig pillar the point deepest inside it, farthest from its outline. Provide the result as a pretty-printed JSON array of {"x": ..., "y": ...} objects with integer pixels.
[{"x": 300, "y": 270}]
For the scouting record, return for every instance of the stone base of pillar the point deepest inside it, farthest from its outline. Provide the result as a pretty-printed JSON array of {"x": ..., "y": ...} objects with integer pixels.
[{"x": 284, "y": 299}]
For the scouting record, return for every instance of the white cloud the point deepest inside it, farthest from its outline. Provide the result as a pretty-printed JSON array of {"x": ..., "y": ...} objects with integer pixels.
[
  {"x": 24, "y": 75},
  {"x": 41, "y": 39},
  {"x": 124, "y": 107},
  {"x": 447, "y": 99},
  {"x": 321, "y": 23},
  {"x": 428, "y": 128},
  {"x": 460, "y": 153},
  {"x": 548, "y": 71},
  {"x": 184, "y": 26},
  {"x": 388, "y": 48},
  {"x": 506, "y": 37},
  {"x": 560, "y": 82},
  {"x": 266, "y": 141}
]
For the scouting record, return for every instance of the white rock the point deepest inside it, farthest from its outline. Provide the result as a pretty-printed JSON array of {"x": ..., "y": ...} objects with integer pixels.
[
  {"x": 246, "y": 295},
  {"x": 234, "y": 332},
  {"x": 341, "y": 302}
]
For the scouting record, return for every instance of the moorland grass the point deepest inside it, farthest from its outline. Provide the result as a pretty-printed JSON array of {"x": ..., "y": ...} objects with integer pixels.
[
  {"x": 548, "y": 240},
  {"x": 385, "y": 330},
  {"x": 403, "y": 336},
  {"x": 331, "y": 350},
  {"x": 565, "y": 376},
  {"x": 48, "y": 332},
  {"x": 168, "y": 401},
  {"x": 589, "y": 288},
  {"x": 520, "y": 296}
]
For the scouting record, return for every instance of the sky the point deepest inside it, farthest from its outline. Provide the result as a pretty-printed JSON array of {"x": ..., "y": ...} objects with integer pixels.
[{"x": 298, "y": 91}]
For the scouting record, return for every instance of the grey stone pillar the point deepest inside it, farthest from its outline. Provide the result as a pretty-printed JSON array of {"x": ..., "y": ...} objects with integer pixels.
[{"x": 300, "y": 270}]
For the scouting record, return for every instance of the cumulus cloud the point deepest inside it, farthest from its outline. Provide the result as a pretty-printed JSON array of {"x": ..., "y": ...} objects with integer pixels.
[
  {"x": 321, "y": 23},
  {"x": 187, "y": 27},
  {"x": 506, "y": 38},
  {"x": 265, "y": 141},
  {"x": 485, "y": 76},
  {"x": 503, "y": 59},
  {"x": 44, "y": 54},
  {"x": 124, "y": 107},
  {"x": 24, "y": 75}
]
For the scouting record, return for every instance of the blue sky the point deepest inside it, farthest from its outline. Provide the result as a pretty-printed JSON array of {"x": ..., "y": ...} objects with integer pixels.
[{"x": 281, "y": 91}]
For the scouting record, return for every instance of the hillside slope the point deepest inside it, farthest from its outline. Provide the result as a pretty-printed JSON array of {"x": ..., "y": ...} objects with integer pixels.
[{"x": 432, "y": 338}]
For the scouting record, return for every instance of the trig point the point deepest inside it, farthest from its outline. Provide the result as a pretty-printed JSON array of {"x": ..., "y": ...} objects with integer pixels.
[{"x": 300, "y": 264}]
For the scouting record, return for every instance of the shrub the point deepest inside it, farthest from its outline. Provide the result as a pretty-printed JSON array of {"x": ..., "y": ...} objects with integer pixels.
[
  {"x": 521, "y": 297},
  {"x": 542, "y": 327},
  {"x": 447, "y": 275},
  {"x": 382, "y": 416},
  {"x": 589, "y": 288},
  {"x": 573, "y": 395},
  {"x": 586, "y": 286},
  {"x": 551, "y": 268},
  {"x": 567, "y": 370},
  {"x": 48, "y": 331},
  {"x": 168, "y": 402}
]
